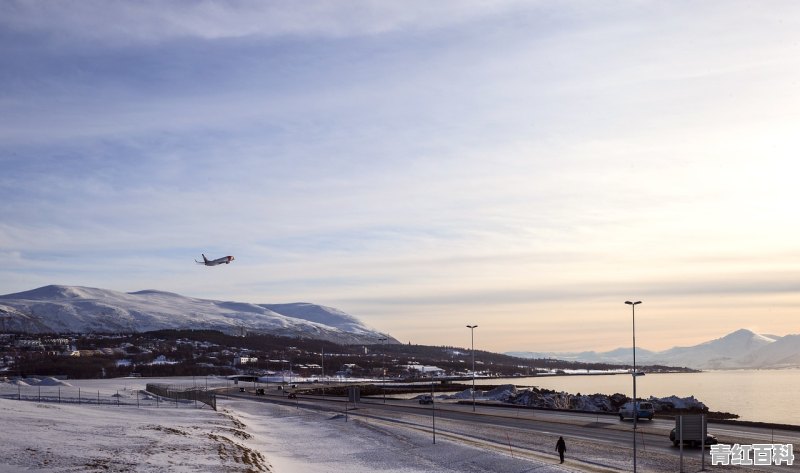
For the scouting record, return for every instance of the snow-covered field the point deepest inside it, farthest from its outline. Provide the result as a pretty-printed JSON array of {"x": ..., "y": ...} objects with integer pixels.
[{"x": 241, "y": 436}]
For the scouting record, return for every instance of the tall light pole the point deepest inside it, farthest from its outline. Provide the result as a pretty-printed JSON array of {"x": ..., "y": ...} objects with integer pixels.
[
  {"x": 322, "y": 372},
  {"x": 384, "y": 340},
  {"x": 472, "y": 336},
  {"x": 635, "y": 404}
]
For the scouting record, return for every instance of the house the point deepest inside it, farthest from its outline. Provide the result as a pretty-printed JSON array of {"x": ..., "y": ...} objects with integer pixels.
[
  {"x": 423, "y": 370},
  {"x": 244, "y": 360}
]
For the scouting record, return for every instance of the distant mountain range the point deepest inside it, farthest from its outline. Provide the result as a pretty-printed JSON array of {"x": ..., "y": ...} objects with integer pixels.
[
  {"x": 737, "y": 350},
  {"x": 62, "y": 309}
]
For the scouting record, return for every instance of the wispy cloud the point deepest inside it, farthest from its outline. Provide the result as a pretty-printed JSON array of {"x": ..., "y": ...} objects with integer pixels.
[
  {"x": 149, "y": 21},
  {"x": 413, "y": 163}
]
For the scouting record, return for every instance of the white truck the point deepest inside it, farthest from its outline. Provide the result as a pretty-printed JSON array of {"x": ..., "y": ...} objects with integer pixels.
[{"x": 640, "y": 409}]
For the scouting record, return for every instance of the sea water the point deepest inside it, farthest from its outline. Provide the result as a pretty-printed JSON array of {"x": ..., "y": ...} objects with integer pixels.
[{"x": 755, "y": 395}]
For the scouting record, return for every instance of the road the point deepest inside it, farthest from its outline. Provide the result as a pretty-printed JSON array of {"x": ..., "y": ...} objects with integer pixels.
[{"x": 596, "y": 442}]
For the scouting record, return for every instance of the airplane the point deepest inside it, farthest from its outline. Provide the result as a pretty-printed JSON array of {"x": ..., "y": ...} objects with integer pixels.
[{"x": 214, "y": 262}]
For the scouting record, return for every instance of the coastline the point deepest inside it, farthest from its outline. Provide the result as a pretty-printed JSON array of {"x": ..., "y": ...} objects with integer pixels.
[
  {"x": 751, "y": 394},
  {"x": 749, "y": 423}
]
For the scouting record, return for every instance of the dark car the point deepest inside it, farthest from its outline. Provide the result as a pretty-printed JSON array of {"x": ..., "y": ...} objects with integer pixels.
[
  {"x": 292, "y": 396},
  {"x": 426, "y": 399},
  {"x": 710, "y": 440}
]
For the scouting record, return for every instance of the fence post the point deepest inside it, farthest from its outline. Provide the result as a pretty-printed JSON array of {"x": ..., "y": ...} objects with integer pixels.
[
  {"x": 59, "y": 394},
  {"x": 117, "y": 397},
  {"x": 79, "y": 395}
]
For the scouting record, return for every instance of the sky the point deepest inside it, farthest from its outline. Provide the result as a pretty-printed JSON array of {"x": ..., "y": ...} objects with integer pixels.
[{"x": 523, "y": 166}]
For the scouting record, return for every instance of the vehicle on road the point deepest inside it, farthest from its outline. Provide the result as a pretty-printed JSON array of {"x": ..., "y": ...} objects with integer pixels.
[
  {"x": 710, "y": 440},
  {"x": 641, "y": 410},
  {"x": 292, "y": 396},
  {"x": 426, "y": 399},
  {"x": 260, "y": 391}
]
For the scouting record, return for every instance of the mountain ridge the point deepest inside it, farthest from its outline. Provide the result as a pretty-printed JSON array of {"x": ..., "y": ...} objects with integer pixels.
[
  {"x": 61, "y": 308},
  {"x": 739, "y": 349}
]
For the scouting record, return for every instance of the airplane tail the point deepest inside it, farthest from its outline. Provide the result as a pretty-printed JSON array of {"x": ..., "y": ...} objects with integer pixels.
[{"x": 205, "y": 260}]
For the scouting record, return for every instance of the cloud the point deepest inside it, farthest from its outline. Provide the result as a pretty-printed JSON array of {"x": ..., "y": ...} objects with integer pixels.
[
  {"x": 152, "y": 21},
  {"x": 440, "y": 158}
]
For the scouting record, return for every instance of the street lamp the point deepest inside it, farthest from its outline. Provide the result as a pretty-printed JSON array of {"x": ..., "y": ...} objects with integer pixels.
[
  {"x": 322, "y": 372},
  {"x": 472, "y": 335},
  {"x": 635, "y": 404},
  {"x": 384, "y": 339}
]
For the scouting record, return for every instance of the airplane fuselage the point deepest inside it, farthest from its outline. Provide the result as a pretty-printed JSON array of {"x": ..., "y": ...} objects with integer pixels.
[{"x": 214, "y": 262}]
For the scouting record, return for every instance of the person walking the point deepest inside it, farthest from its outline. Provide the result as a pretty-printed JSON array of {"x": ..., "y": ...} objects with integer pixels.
[{"x": 561, "y": 447}]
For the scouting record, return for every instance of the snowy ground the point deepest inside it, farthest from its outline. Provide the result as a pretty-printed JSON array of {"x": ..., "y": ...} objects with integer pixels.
[
  {"x": 111, "y": 426},
  {"x": 241, "y": 436}
]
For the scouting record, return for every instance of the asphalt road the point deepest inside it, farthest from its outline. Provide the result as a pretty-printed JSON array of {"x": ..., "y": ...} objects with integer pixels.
[{"x": 604, "y": 443}]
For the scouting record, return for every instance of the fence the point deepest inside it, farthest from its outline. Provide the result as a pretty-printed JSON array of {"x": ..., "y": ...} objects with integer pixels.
[
  {"x": 186, "y": 394},
  {"x": 75, "y": 395},
  {"x": 109, "y": 396}
]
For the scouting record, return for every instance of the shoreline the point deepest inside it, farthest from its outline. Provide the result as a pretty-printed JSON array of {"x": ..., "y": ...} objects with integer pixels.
[
  {"x": 749, "y": 423},
  {"x": 751, "y": 394},
  {"x": 718, "y": 417}
]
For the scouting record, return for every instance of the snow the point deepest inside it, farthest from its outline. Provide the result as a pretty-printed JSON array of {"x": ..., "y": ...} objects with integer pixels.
[
  {"x": 64, "y": 309},
  {"x": 241, "y": 436},
  {"x": 679, "y": 402},
  {"x": 562, "y": 400},
  {"x": 53, "y": 382},
  {"x": 740, "y": 349}
]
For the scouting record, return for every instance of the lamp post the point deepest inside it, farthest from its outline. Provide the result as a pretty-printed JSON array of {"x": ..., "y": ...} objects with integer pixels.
[
  {"x": 384, "y": 340},
  {"x": 472, "y": 336},
  {"x": 635, "y": 404},
  {"x": 322, "y": 372}
]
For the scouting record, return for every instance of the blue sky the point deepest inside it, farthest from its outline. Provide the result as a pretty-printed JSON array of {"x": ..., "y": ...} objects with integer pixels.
[{"x": 526, "y": 166}]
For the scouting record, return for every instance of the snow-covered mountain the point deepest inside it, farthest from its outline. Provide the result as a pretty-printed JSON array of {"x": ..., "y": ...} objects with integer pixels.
[
  {"x": 720, "y": 353},
  {"x": 784, "y": 352},
  {"x": 740, "y": 349},
  {"x": 63, "y": 309}
]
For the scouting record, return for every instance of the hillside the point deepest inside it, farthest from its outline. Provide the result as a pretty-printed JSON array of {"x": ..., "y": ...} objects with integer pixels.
[{"x": 65, "y": 309}]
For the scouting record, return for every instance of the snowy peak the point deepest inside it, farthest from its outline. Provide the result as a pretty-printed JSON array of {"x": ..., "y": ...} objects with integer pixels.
[
  {"x": 734, "y": 350},
  {"x": 740, "y": 349},
  {"x": 735, "y": 342},
  {"x": 783, "y": 353},
  {"x": 63, "y": 309},
  {"x": 720, "y": 353},
  {"x": 56, "y": 292},
  {"x": 155, "y": 293}
]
